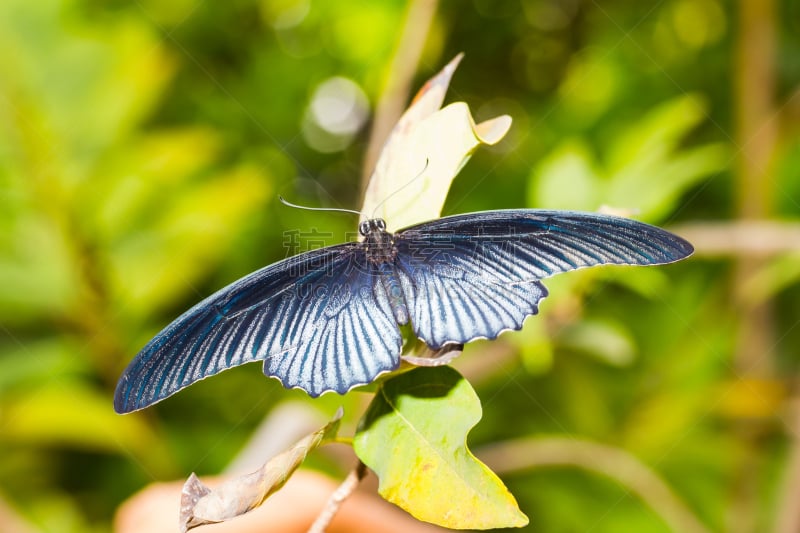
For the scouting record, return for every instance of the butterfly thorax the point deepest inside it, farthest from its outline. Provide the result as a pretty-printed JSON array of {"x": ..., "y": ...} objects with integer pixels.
[{"x": 378, "y": 243}]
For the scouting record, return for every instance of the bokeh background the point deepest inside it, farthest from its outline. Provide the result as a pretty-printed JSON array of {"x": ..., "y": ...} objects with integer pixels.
[{"x": 142, "y": 148}]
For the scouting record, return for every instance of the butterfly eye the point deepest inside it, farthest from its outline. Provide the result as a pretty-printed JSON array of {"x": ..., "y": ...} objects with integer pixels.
[
  {"x": 380, "y": 224},
  {"x": 363, "y": 228}
]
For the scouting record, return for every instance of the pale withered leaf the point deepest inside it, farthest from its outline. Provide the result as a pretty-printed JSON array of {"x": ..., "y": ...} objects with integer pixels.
[
  {"x": 424, "y": 152},
  {"x": 203, "y": 505}
]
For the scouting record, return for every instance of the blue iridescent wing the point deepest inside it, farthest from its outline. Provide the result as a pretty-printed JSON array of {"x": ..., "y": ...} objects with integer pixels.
[
  {"x": 315, "y": 319},
  {"x": 476, "y": 275}
]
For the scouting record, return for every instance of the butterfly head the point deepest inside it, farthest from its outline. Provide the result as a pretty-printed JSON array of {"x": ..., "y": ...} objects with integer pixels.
[
  {"x": 378, "y": 243},
  {"x": 370, "y": 226}
]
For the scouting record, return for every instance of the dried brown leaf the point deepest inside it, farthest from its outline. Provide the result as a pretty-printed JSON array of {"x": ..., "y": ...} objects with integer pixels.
[{"x": 202, "y": 505}]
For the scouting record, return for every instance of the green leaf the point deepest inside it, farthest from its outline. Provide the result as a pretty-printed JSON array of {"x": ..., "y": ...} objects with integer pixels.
[
  {"x": 658, "y": 133},
  {"x": 414, "y": 437},
  {"x": 567, "y": 179},
  {"x": 606, "y": 340}
]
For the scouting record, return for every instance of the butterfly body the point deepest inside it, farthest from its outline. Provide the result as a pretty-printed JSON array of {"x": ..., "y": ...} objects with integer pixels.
[
  {"x": 328, "y": 319},
  {"x": 379, "y": 245}
]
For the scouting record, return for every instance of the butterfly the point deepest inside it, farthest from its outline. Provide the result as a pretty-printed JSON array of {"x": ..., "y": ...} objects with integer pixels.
[{"x": 329, "y": 319}]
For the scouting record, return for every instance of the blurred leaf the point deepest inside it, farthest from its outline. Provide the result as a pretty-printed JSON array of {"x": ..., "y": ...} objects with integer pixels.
[
  {"x": 89, "y": 83},
  {"x": 164, "y": 260},
  {"x": 676, "y": 414},
  {"x": 371, "y": 22},
  {"x": 777, "y": 275},
  {"x": 655, "y": 186},
  {"x": 534, "y": 344},
  {"x": 59, "y": 512},
  {"x": 35, "y": 362},
  {"x": 750, "y": 398},
  {"x": 413, "y": 436},
  {"x": 63, "y": 412},
  {"x": 656, "y": 134},
  {"x": 39, "y": 278},
  {"x": 647, "y": 169},
  {"x": 590, "y": 85},
  {"x": 567, "y": 180},
  {"x": 70, "y": 91},
  {"x": 646, "y": 282},
  {"x": 149, "y": 171},
  {"x": 201, "y": 505},
  {"x": 423, "y": 155},
  {"x": 608, "y": 341}
]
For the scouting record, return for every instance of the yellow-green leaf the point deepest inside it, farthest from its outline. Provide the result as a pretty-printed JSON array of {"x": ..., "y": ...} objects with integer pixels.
[{"x": 414, "y": 437}]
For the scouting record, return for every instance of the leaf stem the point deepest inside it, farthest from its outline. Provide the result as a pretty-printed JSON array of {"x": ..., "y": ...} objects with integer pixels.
[{"x": 338, "y": 497}]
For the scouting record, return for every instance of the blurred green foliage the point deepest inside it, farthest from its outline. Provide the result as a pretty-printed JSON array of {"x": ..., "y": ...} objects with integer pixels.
[{"x": 142, "y": 148}]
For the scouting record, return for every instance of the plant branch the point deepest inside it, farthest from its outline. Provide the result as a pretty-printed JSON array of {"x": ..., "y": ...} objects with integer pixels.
[
  {"x": 756, "y": 138},
  {"x": 788, "y": 515},
  {"x": 398, "y": 83},
  {"x": 749, "y": 238},
  {"x": 624, "y": 468},
  {"x": 338, "y": 497}
]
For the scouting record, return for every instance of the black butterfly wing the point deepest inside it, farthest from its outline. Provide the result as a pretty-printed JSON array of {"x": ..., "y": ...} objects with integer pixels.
[
  {"x": 475, "y": 275},
  {"x": 315, "y": 319}
]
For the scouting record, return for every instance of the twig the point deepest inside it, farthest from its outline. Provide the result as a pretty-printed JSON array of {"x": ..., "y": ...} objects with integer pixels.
[
  {"x": 619, "y": 465},
  {"x": 338, "y": 497},
  {"x": 398, "y": 83},
  {"x": 788, "y": 514},
  {"x": 750, "y": 238},
  {"x": 756, "y": 138}
]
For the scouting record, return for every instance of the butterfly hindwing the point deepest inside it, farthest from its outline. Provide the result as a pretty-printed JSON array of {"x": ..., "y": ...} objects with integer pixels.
[
  {"x": 476, "y": 275},
  {"x": 301, "y": 316},
  {"x": 454, "y": 296},
  {"x": 354, "y": 337}
]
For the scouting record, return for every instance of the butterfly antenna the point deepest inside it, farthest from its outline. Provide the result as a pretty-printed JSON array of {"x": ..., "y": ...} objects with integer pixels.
[
  {"x": 290, "y": 204},
  {"x": 415, "y": 178}
]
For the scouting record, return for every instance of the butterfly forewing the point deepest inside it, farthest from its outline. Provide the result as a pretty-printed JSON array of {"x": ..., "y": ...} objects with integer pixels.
[
  {"x": 311, "y": 318},
  {"x": 476, "y": 275}
]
